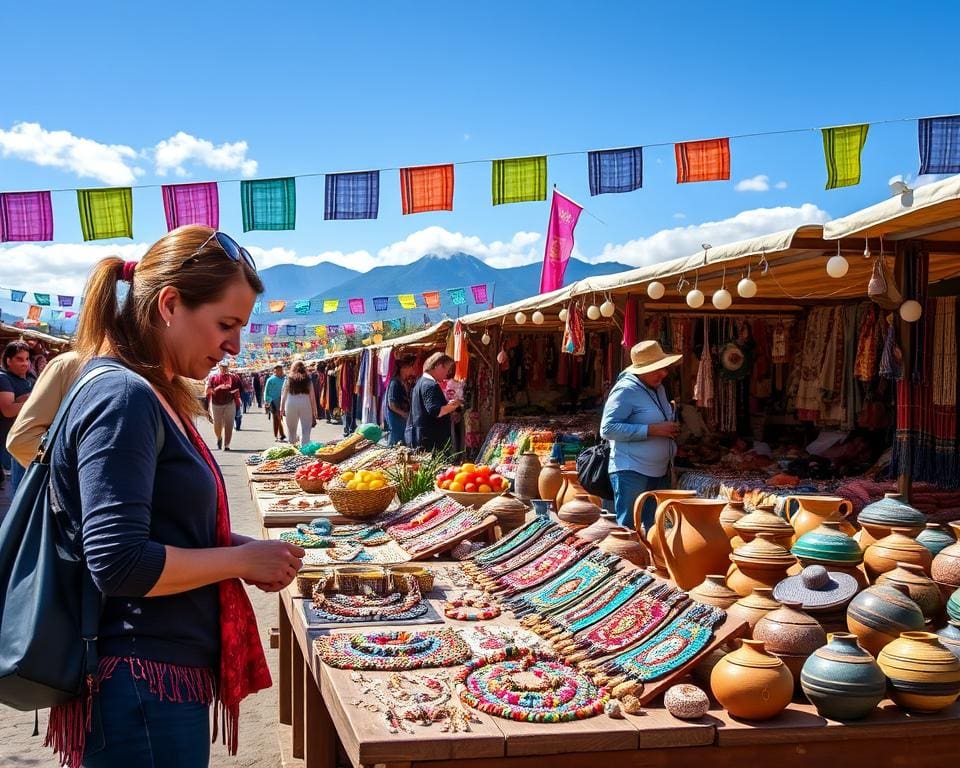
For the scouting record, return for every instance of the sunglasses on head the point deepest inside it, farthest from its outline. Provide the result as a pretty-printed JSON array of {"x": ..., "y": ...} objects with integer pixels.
[{"x": 235, "y": 252}]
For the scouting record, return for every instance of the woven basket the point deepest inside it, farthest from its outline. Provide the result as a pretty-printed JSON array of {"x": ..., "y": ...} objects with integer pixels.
[
  {"x": 310, "y": 486},
  {"x": 357, "y": 579},
  {"x": 476, "y": 500},
  {"x": 347, "y": 450},
  {"x": 424, "y": 577},
  {"x": 307, "y": 580},
  {"x": 361, "y": 504}
]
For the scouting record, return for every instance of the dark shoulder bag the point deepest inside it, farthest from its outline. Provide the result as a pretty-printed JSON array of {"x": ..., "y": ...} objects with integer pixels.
[
  {"x": 49, "y": 605},
  {"x": 593, "y": 470}
]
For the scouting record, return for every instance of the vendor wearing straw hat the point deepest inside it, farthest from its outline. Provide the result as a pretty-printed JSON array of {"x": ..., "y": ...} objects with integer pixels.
[{"x": 638, "y": 420}]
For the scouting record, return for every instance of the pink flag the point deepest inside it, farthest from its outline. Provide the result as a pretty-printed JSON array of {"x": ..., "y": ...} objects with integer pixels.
[{"x": 564, "y": 214}]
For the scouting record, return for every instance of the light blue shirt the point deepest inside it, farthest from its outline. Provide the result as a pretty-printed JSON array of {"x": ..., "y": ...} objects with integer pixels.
[
  {"x": 273, "y": 389},
  {"x": 629, "y": 409}
]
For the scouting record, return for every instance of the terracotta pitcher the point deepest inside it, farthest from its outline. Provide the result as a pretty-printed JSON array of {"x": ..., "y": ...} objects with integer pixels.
[
  {"x": 696, "y": 544},
  {"x": 650, "y": 537},
  {"x": 571, "y": 488},
  {"x": 815, "y": 510}
]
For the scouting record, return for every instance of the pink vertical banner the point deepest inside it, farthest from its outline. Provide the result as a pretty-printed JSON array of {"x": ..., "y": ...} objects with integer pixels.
[{"x": 564, "y": 214}]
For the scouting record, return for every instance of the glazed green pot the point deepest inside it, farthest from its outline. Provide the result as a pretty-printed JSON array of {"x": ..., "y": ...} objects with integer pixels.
[
  {"x": 935, "y": 538},
  {"x": 828, "y": 544},
  {"x": 842, "y": 680},
  {"x": 953, "y": 606},
  {"x": 880, "y": 518}
]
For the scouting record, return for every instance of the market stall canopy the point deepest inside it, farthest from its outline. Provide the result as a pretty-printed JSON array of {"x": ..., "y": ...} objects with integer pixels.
[
  {"x": 435, "y": 335},
  {"x": 12, "y": 332}
]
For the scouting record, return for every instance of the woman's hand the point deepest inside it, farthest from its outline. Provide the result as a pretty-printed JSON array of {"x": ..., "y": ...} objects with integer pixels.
[
  {"x": 270, "y": 563},
  {"x": 283, "y": 413},
  {"x": 663, "y": 429}
]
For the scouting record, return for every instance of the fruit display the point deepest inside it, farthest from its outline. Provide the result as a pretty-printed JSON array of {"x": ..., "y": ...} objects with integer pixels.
[
  {"x": 341, "y": 449},
  {"x": 279, "y": 452},
  {"x": 363, "y": 480},
  {"x": 471, "y": 478},
  {"x": 317, "y": 470}
]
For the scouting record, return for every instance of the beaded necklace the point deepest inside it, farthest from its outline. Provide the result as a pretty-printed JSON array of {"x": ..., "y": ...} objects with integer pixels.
[
  {"x": 390, "y": 651},
  {"x": 405, "y": 699},
  {"x": 529, "y": 686},
  {"x": 566, "y": 587},
  {"x": 390, "y": 553},
  {"x": 483, "y": 639},
  {"x": 510, "y": 544},
  {"x": 530, "y": 552},
  {"x": 463, "y": 521},
  {"x": 545, "y": 567},
  {"x": 354, "y": 608},
  {"x": 598, "y": 607},
  {"x": 471, "y": 609},
  {"x": 434, "y": 515}
]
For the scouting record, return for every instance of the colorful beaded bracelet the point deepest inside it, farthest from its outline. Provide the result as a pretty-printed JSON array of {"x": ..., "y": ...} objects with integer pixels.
[{"x": 471, "y": 609}]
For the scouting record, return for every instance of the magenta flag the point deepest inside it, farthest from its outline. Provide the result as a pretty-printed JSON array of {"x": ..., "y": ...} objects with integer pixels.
[
  {"x": 191, "y": 204},
  {"x": 356, "y": 306},
  {"x": 564, "y": 214},
  {"x": 25, "y": 216}
]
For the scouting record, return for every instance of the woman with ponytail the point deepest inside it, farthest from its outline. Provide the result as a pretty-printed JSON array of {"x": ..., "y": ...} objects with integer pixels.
[{"x": 177, "y": 632}]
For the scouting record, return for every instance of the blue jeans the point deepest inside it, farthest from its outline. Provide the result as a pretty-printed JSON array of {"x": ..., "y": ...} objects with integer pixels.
[
  {"x": 133, "y": 727},
  {"x": 17, "y": 471},
  {"x": 627, "y": 486},
  {"x": 397, "y": 425}
]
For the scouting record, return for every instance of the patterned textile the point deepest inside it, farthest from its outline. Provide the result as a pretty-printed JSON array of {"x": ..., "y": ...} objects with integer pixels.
[
  {"x": 276, "y": 305},
  {"x": 349, "y": 328},
  {"x": 458, "y": 296},
  {"x": 615, "y": 170},
  {"x": 939, "y": 144},
  {"x": 519, "y": 180},
  {"x": 357, "y": 306},
  {"x": 869, "y": 343},
  {"x": 432, "y": 299},
  {"x": 380, "y": 303},
  {"x": 812, "y": 355},
  {"x": 106, "y": 213},
  {"x": 574, "y": 339},
  {"x": 291, "y": 330},
  {"x": 703, "y": 388},
  {"x": 630, "y": 322},
  {"x": 703, "y": 160},
  {"x": 191, "y": 204},
  {"x": 407, "y": 301},
  {"x": 841, "y": 149},
  {"x": 302, "y": 306},
  {"x": 352, "y": 195},
  {"x": 272, "y": 329},
  {"x": 426, "y": 188},
  {"x": 269, "y": 204},
  {"x": 479, "y": 294},
  {"x": 43, "y": 299},
  {"x": 330, "y": 305},
  {"x": 564, "y": 215},
  {"x": 25, "y": 216}
]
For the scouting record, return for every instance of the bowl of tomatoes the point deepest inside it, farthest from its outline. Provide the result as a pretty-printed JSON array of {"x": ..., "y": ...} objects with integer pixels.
[
  {"x": 313, "y": 477},
  {"x": 472, "y": 485}
]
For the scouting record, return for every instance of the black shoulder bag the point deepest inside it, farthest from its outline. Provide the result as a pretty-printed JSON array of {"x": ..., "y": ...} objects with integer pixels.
[{"x": 593, "y": 470}]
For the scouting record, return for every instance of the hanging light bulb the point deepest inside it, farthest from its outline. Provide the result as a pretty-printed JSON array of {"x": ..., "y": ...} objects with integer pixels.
[
  {"x": 837, "y": 266},
  {"x": 746, "y": 288},
  {"x": 695, "y": 298},
  {"x": 722, "y": 299},
  {"x": 485, "y": 339},
  {"x": 655, "y": 290},
  {"x": 520, "y": 318},
  {"x": 537, "y": 318},
  {"x": 911, "y": 310},
  {"x": 608, "y": 308},
  {"x": 593, "y": 312},
  {"x": 562, "y": 314}
]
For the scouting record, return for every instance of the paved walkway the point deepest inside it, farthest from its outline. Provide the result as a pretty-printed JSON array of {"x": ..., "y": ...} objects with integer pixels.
[{"x": 259, "y": 742}]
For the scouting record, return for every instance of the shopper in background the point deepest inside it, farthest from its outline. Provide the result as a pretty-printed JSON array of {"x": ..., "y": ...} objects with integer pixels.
[
  {"x": 298, "y": 405},
  {"x": 272, "y": 392},
  {"x": 638, "y": 420},
  {"x": 16, "y": 382},
  {"x": 428, "y": 426},
  {"x": 398, "y": 399},
  {"x": 223, "y": 389},
  {"x": 246, "y": 391},
  {"x": 257, "y": 379}
]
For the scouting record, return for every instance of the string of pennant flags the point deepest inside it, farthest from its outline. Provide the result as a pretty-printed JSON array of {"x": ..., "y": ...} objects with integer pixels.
[{"x": 271, "y": 204}]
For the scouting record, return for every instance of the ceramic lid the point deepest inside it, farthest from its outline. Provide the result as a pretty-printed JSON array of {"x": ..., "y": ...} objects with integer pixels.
[
  {"x": 761, "y": 520},
  {"x": 817, "y": 588},
  {"x": 899, "y": 542},
  {"x": 828, "y": 544},
  {"x": 892, "y": 510},
  {"x": 763, "y": 550},
  {"x": 761, "y": 597}
]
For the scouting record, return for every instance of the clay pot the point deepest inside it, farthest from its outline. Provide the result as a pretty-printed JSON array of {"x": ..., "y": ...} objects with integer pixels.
[
  {"x": 946, "y": 565},
  {"x": 571, "y": 488},
  {"x": 880, "y": 518},
  {"x": 550, "y": 480},
  {"x": 598, "y": 531},
  {"x": 732, "y": 512},
  {"x": 686, "y": 702},
  {"x": 650, "y": 537},
  {"x": 791, "y": 635},
  {"x": 527, "y": 476},
  {"x": 813, "y": 511},
  {"x": 695, "y": 545},
  {"x": 924, "y": 676},
  {"x": 936, "y": 538},
  {"x": 752, "y": 683},
  {"x": 879, "y": 614},
  {"x": 763, "y": 521},
  {"x": 624, "y": 543},
  {"x": 510, "y": 512},
  {"x": 753, "y": 607},
  {"x": 579, "y": 512},
  {"x": 842, "y": 680},
  {"x": 827, "y": 545},
  {"x": 758, "y": 563},
  {"x": 921, "y": 588},
  {"x": 953, "y": 606},
  {"x": 714, "y": 591},
  {"x": 898, "y": 547},
  {"x": 950, "y": 637}
]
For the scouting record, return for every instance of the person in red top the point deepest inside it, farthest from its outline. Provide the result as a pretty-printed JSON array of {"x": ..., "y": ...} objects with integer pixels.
[{"x": 223, "y": 389}]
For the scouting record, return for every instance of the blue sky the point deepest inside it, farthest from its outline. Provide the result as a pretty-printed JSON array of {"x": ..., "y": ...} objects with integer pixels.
[{"x": 313, "y": 87}]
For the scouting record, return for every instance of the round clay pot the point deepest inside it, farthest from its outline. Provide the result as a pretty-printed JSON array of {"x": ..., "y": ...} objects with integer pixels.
[
  {"x": 510, "y": 512},
  {"x": 842, "y": 680},
  {"x": 898, "y": 547},
  {"x": 763, "y": 521},
  {"x": 598, "y": 531},
  {"x": 759, "y": 563},
  {"x": 579, "y": 512},
  {"x": 880, "y": 518},
  {"x": 946, "y": 565},
  {"x": 813, "y": 511},
  {"x": 527, "y": 476},
  {"x": 624, "y": 543},
  {"x": 571, "y": 488},
  {"x": 753, "y": 607},
  {"x": 921, "y": 588},
  {"x": 732, "y": 512},
  {"x": 790, "y": 634},
  {"x": 950, "y": 637},
  {"x": 714, "y": 591},
  {"x": 550, "y": 480},
  {"x": 686, "y": 702},
  {"x": 924, "y": 676},
  {"x": 953, "y": 606},
  {"x": 879, "y": 614},
  {"x": 936, "y": 538},
  {"x": 752, "y": 683},
  {"x": 828, "y": 545}
]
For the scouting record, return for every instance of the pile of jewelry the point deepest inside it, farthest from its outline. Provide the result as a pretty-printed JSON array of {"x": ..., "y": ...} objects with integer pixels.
[
  {"x": 456, "y": 526},
  {"x": 485, "y": 639},
  {"x": 392, "y": 651},
  {"x": 347, "y": 609},
  {"x": 423, "y": 521},
  {"x": 471, "y": 609},
  {"x": 534, "y": 687},
  {"x": 286, "y": 465},
  {"x": 406, "y": 699}
]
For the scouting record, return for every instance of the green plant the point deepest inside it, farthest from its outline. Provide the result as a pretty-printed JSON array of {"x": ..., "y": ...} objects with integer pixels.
[{"x": 416, "y": 474}]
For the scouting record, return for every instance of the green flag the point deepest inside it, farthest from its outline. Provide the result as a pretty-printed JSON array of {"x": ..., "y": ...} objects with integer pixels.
[
  {"x": 519, "y": 180},
  {"x": 841, "y": 149},
  {"x": 106, "y": 213},
  {"x": 269, "y": 204}
]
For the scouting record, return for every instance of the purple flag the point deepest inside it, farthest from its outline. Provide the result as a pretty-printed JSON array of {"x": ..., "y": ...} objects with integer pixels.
[
  {"x": 272, "y": 329},
  {"x": 65, "y": 301},
  {"x": 479, "y": 294},
  {"x": 191, "y": 204},
  {"x": 564, "y": 214},
  {"x": 256, "y": 327},
  {"x": 25, "y": 216}
]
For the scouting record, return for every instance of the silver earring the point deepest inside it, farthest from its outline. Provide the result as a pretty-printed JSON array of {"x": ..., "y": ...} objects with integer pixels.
[{"x": 168, "y": 323}]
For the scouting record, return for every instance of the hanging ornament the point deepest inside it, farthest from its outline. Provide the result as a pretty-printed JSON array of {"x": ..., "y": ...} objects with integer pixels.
[
  {"x": 520, "y": 318},
  {"x": 722, "y": 299},
  {"x": 695, "y": 298},
  {"x": 608, "y": 308},
  {"x": 911, "y": 310},
  {"x": 837, "y": 265},
  {"x": 485, "y": 339},
  {"x": 866, "y": 249},
  {"x": 537, "y": 318},
  {"x": 655, "y": 290},
  {"x": 562, "y": 314},
  {"x": 593, "y": 312},
  {"x": 746, "y": 288},
  {"x": 502, "y": 357}
]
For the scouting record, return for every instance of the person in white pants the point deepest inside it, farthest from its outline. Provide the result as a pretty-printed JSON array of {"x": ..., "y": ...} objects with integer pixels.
[{"x": 298, "y": 406}]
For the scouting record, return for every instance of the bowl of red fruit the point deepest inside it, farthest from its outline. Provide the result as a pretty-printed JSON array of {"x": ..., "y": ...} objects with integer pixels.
[
  {"x": 472, "y": 485},
  {"x": 313, "y": 477}
]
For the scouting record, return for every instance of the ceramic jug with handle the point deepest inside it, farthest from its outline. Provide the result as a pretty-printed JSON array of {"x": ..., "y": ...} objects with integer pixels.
[
  {"x": 696, "y": 544},
  {"x": 815, "y": 510},
  {"x": 650, "y": 537}
]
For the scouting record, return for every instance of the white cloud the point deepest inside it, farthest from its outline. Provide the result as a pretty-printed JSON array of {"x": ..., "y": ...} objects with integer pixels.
[
  {"x": 780, "y": 185},
  {"x": 57, "y": 268},
  {"x": 683, "y": 241},
  {"x": 175, "y": 153},
  {"x": 110, "y": 163},
  {"x": 760, "y": 183},
  {"x": 679, "y": 216}
]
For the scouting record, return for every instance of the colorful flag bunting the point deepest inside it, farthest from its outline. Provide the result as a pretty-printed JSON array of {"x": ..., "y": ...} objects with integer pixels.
[
  {"x": 380, "y": 303},
  {"x": 106, "y": 213},
  {"x": 302, "y": 306},
  {"x": 332, "y": 330},
  {"x": 43, "y": 299},
  {"x": 191, "y": 204},
  {"x": 432, "y": 299},
  {"x": 68, "y": 315},
  {"x": 395, "y": 324},
  {"x": 17, "y": 295},
  {"x": 256, "y": 327},
  {"x": 615, "y": 170},
  {"x": 940, "y": 144},
  {"x": 479, "y": 294},
  {"x": 25, "y": 216},
  {"x": 330, "y": 305},
  {"x": 269, "y": 204},
  {"x": 349, "y": 328},
  {"x": 65, "y": 301},
  {"x": 352, "y": 195},
  {"x": 277, "y": 305},
  {"x": 407, "y": 301},
  {"x": 376, "y": 325},
  {"x": 457, "y": 296},
  {"x": 426, "y": 188},
  {"x": 257, "y": 307},
  {"x": 519, "y": 180},
  {"x": 33, "y": 313},
  {"x": 320, "y": 331},
  {"x": 356, "y": 306},
  {"x": 272, "y": 329},
  {"x": 841, "y": 149},
  {"x": 564, "y": 215},
  {"x": 707, "y": 160},
  {"x": 291, "y": 330}
]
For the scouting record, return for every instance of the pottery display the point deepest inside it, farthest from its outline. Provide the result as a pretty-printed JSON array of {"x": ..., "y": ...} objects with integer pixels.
[
  {"x": 649, "y": 537},
  {"x": 570, "y": 488},
  {"x": 508, "y": 509},
  {"x": 829, "y": 545},
  {"x": 762, "y": 521},
  {"x": 758, "y": 563},
  {"x": 924, "y": 676},
  {"x": 950, "y": 637},
  {"x": 624, "y": 543},
  {"x": 579, "y": 512},
  {"x": 527, "y": 476},
  {"x": 881, "y": 517},
  {"x": 686, "y": 702},
  {"x": 813, "y": 511},
  {"x": 818, "y": 590},
  {"x": 880, "y": 613},
  {"x": 695, "y": 544},
  {"x": 714, "y": 591},
  {"x": 752, "y": 683},
  {"x": 550, "y": 480},
  {"x": 790, "y": 634},
  {"x": 898, "y": 547},
  {"x": 753, "y": 607},
  {"x": 936, "y": 538},
  {"x": 842, "y": 680},
  {"x": 953, "y": 606},
  {"x": 732, "y": 511},
  {"x": 946, "y": 565},
  {"x": 598, "y": 531},
  {"x": 921, "y": 588}
]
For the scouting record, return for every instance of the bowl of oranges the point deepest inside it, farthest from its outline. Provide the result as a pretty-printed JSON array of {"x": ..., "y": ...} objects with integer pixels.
[
  {"x": 471, "y": 484},
  {"x": 361, "y": 494}
]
